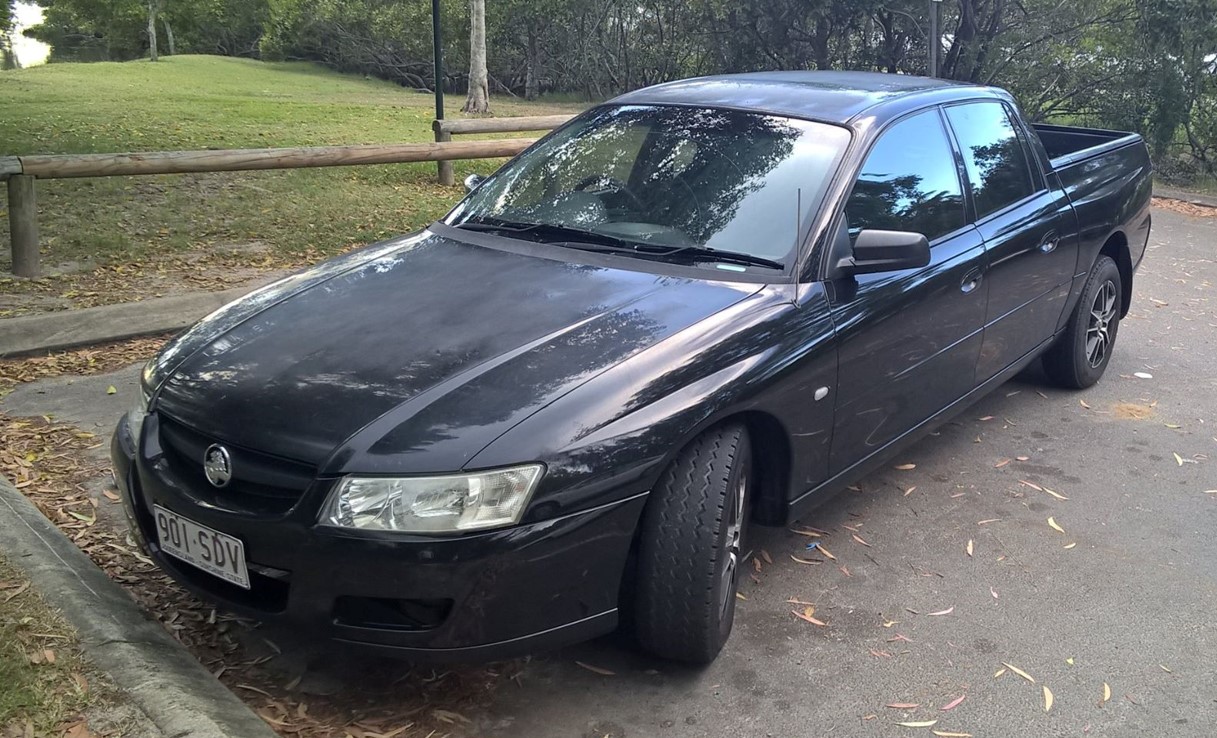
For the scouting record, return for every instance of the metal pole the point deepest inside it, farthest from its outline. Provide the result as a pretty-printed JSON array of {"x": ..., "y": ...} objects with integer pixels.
[
  {"x": 439, "y": 60},
  {"x": 934, "y": 38}
]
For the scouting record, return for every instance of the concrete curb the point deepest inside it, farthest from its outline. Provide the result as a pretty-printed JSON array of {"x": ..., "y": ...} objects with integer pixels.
[
  {"x": 1194, "y": 198},
  {"x": 71, "y": 328},
  {"x": 177, "y": 694}
]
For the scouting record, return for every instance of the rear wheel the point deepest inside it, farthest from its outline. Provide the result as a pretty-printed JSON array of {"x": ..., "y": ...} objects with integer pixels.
[
  {"x": 692, "y": 548},
  {"x": 1079, "y": 358}
]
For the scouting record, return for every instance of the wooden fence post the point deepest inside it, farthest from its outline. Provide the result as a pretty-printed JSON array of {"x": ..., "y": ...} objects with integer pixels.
[
  {"x": 23, "y": 225},
  {"x": 447, "y": 176}
]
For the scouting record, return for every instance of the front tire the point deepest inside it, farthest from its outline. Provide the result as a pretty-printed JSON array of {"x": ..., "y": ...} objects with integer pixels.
[
  {"x": 691, "y": 553},
  {"x": 1079, "y": 358}
]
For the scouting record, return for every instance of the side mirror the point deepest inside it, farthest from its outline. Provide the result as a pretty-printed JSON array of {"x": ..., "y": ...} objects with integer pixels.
[
  {"x": 472, "y": 181},
  {"x": 886, "y": 251}
]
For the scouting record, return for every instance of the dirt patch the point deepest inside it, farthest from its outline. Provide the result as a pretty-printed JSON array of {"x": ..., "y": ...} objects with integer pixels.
[
  {"x": 1131, "y": 411},
  {"x": 217, "y": 268},
  {"x": 1185, "y": 208}
]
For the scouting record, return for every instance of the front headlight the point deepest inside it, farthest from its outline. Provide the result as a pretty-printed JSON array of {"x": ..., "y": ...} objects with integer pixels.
[
  {"x": 136, "y": 415},
  {"x": 444, "y": 504}
]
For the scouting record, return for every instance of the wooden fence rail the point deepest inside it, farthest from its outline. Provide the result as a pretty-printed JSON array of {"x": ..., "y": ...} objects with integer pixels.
[
  {"x": 22, "y": 171},
  {"x": 445, "y": 128}
]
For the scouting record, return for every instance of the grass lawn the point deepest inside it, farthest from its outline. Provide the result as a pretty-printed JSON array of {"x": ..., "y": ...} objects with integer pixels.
[{"x": 118, "y": 239}]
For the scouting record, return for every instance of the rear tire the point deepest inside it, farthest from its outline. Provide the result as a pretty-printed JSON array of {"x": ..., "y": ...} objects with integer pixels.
[
  {"x": 692, "y": 549},
  {"x": 1078, "y": 359}
]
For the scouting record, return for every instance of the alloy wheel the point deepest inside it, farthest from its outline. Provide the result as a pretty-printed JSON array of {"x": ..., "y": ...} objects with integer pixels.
[{"x": 1100, "y": 326}]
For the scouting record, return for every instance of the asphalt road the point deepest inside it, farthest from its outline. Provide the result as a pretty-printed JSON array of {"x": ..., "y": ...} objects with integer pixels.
[{"x": 1125, "y": 595}]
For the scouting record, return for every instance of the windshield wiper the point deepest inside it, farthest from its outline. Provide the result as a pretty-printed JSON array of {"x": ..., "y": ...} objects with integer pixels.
[
  {"x": 603, "y": 243},
  {"x": 726, "y": 257},
  {"x": 547, "y": 233}
]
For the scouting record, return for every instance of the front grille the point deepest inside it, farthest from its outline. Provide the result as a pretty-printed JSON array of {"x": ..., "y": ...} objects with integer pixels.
[{"x": 260, "y": 483}]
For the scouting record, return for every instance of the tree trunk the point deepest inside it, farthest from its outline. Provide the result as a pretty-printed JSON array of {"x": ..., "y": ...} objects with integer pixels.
[
  {"x": 478, "y": 100},
  {"x": 152, "y": 8},
  {"x": 169, "y": 36},
  {"x": 532, "y": 81}
]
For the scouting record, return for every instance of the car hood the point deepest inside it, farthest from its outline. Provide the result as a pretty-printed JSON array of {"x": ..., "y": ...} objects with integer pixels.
[{"x": 412, "y": 356}]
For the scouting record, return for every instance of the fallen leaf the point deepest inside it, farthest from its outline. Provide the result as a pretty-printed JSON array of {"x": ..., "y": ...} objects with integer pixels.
[
  {"x": 909, "y": 491},
  {"x": 890, "y": 623},
  {"x": 596, "y": 669},
  {"x": 1032, "y": 485},
  {"x": 1054, "y": 494},
  {"x": 993, "y": 592},
  {"x": 1106, "y": 692},
  {"x": 49, "y": 655},
  {"x": 919, "y": 724},
  {"x": 1070, "y": 545},
  {"x": 946, "y": 734},
  {"x": 1143, "y": 375},
  {"x": 740, "y": 596},
  {"x": 859, "y": 540},
  {"x": 807, "y": 615},
  {"x": 906, "y": 467},
  {"x": 947, "y": 611},
  {"x": 804, "y": 561},
  {"x": 990, "y": 520},
  {"x": 1069, "y": 661},
  {"x": 1002, "y": 463},
  {"x": 969, "y": 547},
  {"x": 826, "y": 552},
  {"x": 808, "y": 533},
  {"x": 954, "y": 703},
  {"x": 900, "y": 637},
  {"x": 1052, "y": 524},
  {"x": 904, "y": 705},
  {"x": 1083, "y": 404},
  {"x": 1178, "y": 459},
  {"x": 111, "y": 390},
  {"x": 999, "y": 672},
  {"x": 1019, "y": 671},
  {"x": 987, "y": 417},
  {"x": 765, "y": 555},
  {"x": 1160, "y": 666},
  {"x": 797, "y": 601},
  {"x": 110, "y": 495},
  {"x": 1047, "y": 698},
  {"x": 1022, "y": 458}
]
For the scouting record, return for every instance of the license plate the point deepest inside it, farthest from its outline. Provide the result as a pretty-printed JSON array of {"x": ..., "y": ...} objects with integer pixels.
[{"x": 210, "y": 550}]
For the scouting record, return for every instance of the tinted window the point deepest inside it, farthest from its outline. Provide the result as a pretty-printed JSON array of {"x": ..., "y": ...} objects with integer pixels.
[
  {"x": 669, "y": 177},
  {"x": 909, "y": 182},
  {"x": 994, "y": 155}
]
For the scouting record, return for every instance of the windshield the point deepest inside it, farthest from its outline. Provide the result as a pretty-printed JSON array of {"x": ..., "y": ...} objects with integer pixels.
[{"x": 667, "y": 183}]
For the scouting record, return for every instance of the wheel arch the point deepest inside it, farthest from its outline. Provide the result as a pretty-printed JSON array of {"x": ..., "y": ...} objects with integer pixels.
[{"x": 1116, "y": 247}]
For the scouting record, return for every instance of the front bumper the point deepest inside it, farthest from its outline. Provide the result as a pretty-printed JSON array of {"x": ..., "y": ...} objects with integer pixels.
[{"x": 477, "y": 596}]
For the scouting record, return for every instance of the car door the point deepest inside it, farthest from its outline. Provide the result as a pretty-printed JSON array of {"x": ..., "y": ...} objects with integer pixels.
[
  {"x": 908, "y": 340},
  {"x": 1029, "y": 232}
]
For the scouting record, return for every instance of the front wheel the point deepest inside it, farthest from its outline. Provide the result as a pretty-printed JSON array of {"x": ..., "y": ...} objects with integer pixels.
[
  {"x": 1079, "y": 358},
  {"x": 691, "y": 552}
]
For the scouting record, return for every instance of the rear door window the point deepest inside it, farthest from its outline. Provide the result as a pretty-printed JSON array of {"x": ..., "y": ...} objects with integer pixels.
[
  {"x": 909, "y": 182},
  {"x": 994, "y": 155}
]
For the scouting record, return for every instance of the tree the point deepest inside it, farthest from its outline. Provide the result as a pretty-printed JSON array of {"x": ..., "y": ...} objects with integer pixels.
[
  {"x": 8, "y": 59},
  {"x": 154, "y": 7},
  {"x": 478, "y": 99}
]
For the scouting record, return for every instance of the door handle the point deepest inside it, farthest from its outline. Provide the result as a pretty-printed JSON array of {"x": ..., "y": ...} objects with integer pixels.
[
  {"x": 1050, "y": 243},
  {"x": 971, "y": 281}
]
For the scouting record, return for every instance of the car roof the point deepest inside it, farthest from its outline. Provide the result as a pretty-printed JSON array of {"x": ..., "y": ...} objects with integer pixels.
[{"x": 833, "y": 97}]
